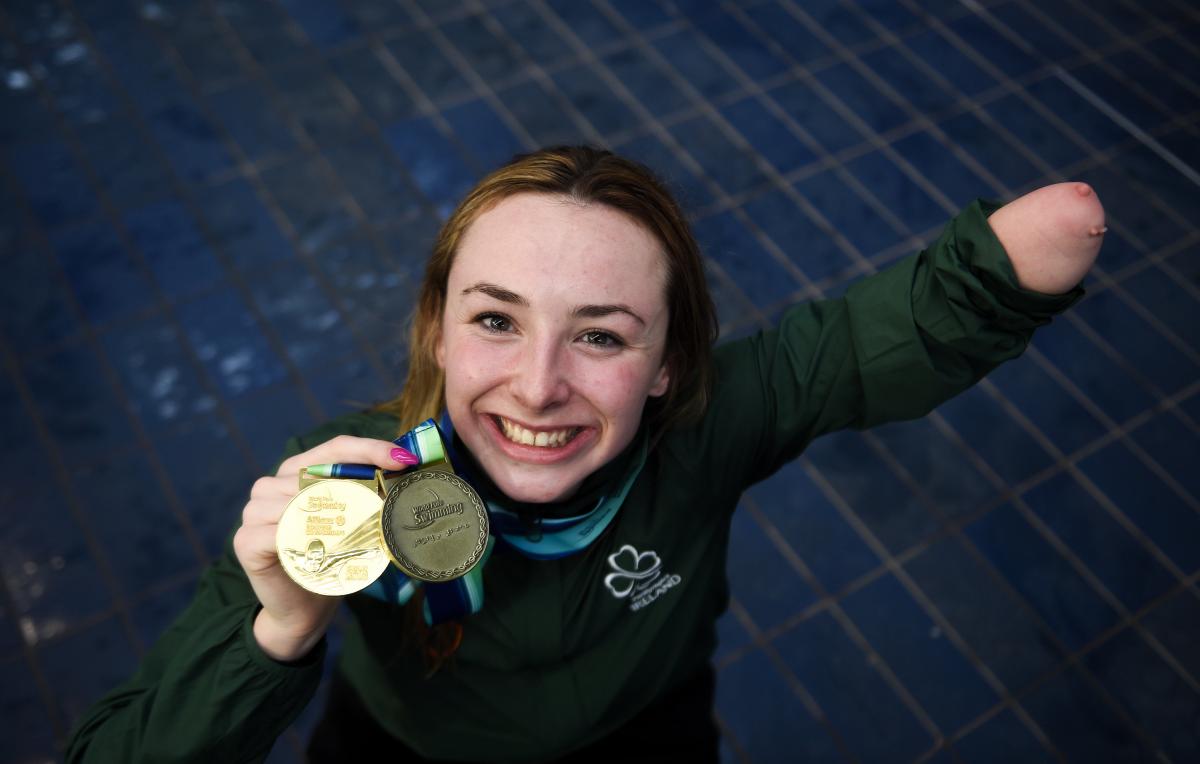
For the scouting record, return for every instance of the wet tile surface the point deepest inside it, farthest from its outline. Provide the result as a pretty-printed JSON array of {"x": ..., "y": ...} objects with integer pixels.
[{"x": 215, "y": 217}]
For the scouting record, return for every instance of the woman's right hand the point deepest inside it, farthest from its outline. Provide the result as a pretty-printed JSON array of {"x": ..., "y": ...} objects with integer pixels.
[{"x": 293, "y": 620}]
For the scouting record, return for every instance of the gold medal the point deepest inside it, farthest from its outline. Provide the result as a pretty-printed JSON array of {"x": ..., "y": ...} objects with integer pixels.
[
  {"x": 434, "y": 524},
  {"x": 328, "y": 537}
]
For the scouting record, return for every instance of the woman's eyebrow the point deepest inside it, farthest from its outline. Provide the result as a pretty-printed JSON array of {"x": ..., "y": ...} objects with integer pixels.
[
  {"x": 497, "y": 292},
  {"x": 599, "y": 311}
]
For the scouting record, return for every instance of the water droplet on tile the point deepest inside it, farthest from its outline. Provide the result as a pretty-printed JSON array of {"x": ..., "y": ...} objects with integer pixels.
[
  {"x": 70, "y": 53},
  {"x": 18, "y": 79}
]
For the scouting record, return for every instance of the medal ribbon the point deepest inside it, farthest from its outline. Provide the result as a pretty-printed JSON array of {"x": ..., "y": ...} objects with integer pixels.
[{"x": 551, "y": 539}]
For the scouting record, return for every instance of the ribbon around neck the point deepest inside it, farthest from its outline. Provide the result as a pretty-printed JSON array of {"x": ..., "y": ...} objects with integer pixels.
[{"x": 548, "y": 539}]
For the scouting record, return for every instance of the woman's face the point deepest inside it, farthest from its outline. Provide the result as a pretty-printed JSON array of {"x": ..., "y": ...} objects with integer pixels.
[{"x": 552, "y": 340}]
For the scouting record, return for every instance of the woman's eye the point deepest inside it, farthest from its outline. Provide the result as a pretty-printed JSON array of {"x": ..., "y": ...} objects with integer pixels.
[
  {"x": 494, "y": 323},
  {"x": 601, "y": 339}
]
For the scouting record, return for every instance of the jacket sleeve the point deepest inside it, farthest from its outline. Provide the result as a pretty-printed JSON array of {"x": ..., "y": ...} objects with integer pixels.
[
  {"x": 205, "y": 691},
  {"x": 896, "y": 345}
]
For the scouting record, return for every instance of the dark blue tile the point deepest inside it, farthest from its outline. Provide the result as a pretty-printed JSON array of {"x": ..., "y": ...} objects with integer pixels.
[
  {"x": 160, "y": 380},
  {"x": 174, "y": 248},
  {"x": 1139, "y": 343},
  {"x": 1080, "y": 724},
  {"x": 481, "y": 130},
  {"x": 813, "y": 528},
  {"x": 1046, "y": 580},
  {"x": 764, "y": 582},
  {"x": 586, "y": 22},
  {"x": 350, "y": 383},
  {"x": 139, "y": 65},
  {"x": 761, "y": 710},
  {"x": 686, "y": 54},
  {"x": 265, "y": 30},
  {"x": 937, "y": 675},
  {"x": 871, "y": 720},
  {"x": 950, "y": 62},
  {"x": 130, "y": 174},
  {"x": 229, "y": 341},
  {"x": 382, "y": 97},
  {"x": 1047, "y": 43},
  {"x": 316, "y": 219},
  {"x": 595, "y": 100},
  {"x": 806, "y": 244},
  {"x": 948, "y": 173},
  {"x": 1150, "y": 503},
  {"x": 1170, "y": 302},
  {"x": 1169, "y": 48},
  {"x": 991, "y": 621},
  {"x": 245, "y": 112},
  {"x": 872, "y": 107},
  {"x": 21, "y": 449},
  {"x": 104, "y": 276},
  {"x": 188, "y": 139},
  {"x": 1112, "y": 387},
  {"x": 892, "y": 16},
  {"x": 768, "y": 135},
  {"x": 1000, "y": 740},
  {"x": 983, "y": 143},
  {"x": 999, "y": 51},
  {"x": 814, "y": 114},
  {"x": 1126, "y": 568},
  {"x": 324, "y": 21},
  {"x": 731, "y": 635},
  {"x": 1151, "y": 691},
  {"x": 726, "y": 240},
  {"x": 681, "y": 181},
  {"x": 1174, "y": 446},
  {"x": 640, "y": 14},
  {"x": 154, "y": 613},
  {"x": 1059, "y": 416},
  {"x": 732, "y": 305},
  {"x": 886, "y": 505},
  {"x": 741, "y": 45},
  {"x": 946, "y": 476},
  {"x": 22, "y": 706},
  {"x": 1155, "y": 79},
  {"x": 912, "y": 83},
  {"x": 369, "y": 285},
  {"x": 79, "y": 87},
  {"x": 26, "y": 118},
  {"x": 1119, "y": 252},
  {"x": 316, "y": 102},
  {"x": 734, "y": 167},
  {"x": 1175, "y": 622},
  {"x": 1157, "y": 176},
  {"x": 1114, "y": 89},
  {"x": 54, "y": 184},
  {"x": 309, "y": 326},
  {"x": 379, "y": 184},
  {"x": 76, "y": 403},
  {"x": 487, "y": 55},
  {"x": 903, "y": 197},
  {"x": 1035, "y": 132},
  {"x": 428, "y": 66},
  {"x": 144, "y": 541},
  {"x": 789, "y": 32},
  {"x": 210, "y": 476},
  {"x": 110, "y": 659},
  {"x": 1130, "y": 207},
  {"x": 1074, "y": 110},
  {"x": 236, "y": 217},
  {"x": 542, "y": 41},
  {"x": 848, "y": 213},
  {"x": 268, "y": 418},
  {"x": 433, "y": 162},
  {"x": 656, "y": 92},
  {"x": 197, "y": 36},
  {"x": 37, "y": 304},
  {"x": 48, "y": 568},
  {"x": 544, "y": 117},
  {"x": 995, "y": 435},
  {"x": 841, "y": 22}
]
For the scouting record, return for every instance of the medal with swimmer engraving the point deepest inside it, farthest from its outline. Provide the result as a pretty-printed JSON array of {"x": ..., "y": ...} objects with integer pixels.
[
  {"x": 435, "y": 525},
  {"x": 328, "y": 538}
]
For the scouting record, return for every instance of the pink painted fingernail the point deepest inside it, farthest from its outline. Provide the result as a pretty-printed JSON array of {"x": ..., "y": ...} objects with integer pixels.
[{"x": 404, "y": 456}]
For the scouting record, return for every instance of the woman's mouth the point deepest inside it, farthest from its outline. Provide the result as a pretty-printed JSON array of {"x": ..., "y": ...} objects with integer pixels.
[{"x": 539, "y": 438}]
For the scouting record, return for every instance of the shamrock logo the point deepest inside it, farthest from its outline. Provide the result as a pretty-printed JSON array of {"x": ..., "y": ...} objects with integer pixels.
[{"x": 630, "y": 566}]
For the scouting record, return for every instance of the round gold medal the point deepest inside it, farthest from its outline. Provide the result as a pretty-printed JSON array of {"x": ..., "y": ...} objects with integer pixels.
[
  {"x": 435, "y": 525},
  {"x": 328, "y": 538}
]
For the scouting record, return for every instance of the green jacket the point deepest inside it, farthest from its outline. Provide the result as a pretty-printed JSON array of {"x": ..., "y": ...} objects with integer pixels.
[{"x": 565, "y": 651}]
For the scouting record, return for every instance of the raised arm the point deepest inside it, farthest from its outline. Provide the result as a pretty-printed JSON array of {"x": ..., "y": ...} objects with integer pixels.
[{"x": 1052, "y": 235}]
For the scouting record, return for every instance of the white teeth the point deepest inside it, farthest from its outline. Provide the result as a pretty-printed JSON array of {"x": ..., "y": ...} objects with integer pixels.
[{"x": 518, "y": 434}]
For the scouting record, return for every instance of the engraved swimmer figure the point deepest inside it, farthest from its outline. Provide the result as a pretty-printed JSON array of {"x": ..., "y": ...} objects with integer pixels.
[{"x": 321, "y": 566}]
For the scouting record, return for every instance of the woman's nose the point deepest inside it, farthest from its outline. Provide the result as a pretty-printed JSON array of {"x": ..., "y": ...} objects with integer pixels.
[{"x": 540, "y": 381}]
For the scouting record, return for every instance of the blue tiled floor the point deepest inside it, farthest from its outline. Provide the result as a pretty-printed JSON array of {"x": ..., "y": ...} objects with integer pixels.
[{"x": 198, "y": 199}]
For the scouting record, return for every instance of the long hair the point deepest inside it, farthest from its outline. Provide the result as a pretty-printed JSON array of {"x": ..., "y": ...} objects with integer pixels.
[{"x": 584, "y": 175}]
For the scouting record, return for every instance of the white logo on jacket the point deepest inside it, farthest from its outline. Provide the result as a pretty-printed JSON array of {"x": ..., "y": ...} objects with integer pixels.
[{"x": 638, "y": 577}]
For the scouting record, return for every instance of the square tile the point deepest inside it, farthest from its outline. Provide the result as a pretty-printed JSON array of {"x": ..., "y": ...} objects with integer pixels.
[
  {"x": 153, "y": 614},
  {"x": 482, "y": 132},
  {"x": 1160, "y": 178},
  {"x": 316, "y": 219},
  {"x": 1174, "y": 446},
  {"x": 640, "y": 14},
  {"x": 174, "y": 248},
  {"x": 424, "y": 61},
  {"x": 1080, "y": 724},
  {"x": 537, "y": 35},
  {"x": 847, "y": 212},
  {"x": 230, "y": 343},
  {"x": 596, "y": 100},
  {"x": 267, "y": 419},
  {"x": 903, "y": 196},
  {"x": 871, "y": 719},
  {"x": 347, "y": 384},
  {"x": 543, "y": 116},
  {"x": 886, "y": 505},
  {"x": 688, "y": 188},
  {"x": 1047, "y": 581},
  {"x": 985, "y": 613},
  {"x": 876, "y": 111},
  {"x": 912, "y": 83},
  {"x": 105, "y": 277},
  {"x": 1125, "y": 567},
  {"x": 53, "y": 183},
  {"x": 80, "y": 681},
  {"x": 764, "y": 582},
  {"x": 76, "y": 404},
  {"x": 1001, "y": 739},
  {"x": 1150, "y": 503},
  {"x": 22, "y": 705},
  {"x": 1077, "y": 112},
  {"x": 237, "y": 218},
  {"x": 812, "y": 112},
  {"x": 1129, "y": 206},
  {"x": 769, "y": 136},
  {"x": 806, "y": 244},
  {"x": 306, "y": 322},
  {"x": 1036, "y": 132},
  {"x": 377, "y": 181},
  {"x": 939, "y": 165},
  {"x": 745, "y": 48},
  {"x": 325, "y": 23},
  {"x": 1175, "y": 623},
  {"x": 993, "y": 46},
  {"x": 727, "y": 241},
  {"x": 248, "y": 115},
  {"x": 38, "y": 310},
  {"x": 381, "y": 96},
  {"x": 130, "y": 174},
  {"x": 995, "y": 435},
  {"x": 433, "y": 162},
  {"x": 686, "y": 53},
  {"x": 950, "y": 62},
  {"x": 586, "y": 21},
  {"x": 193, "y": 147},
  {"x": 1052, "y": 410},
  {"x": 488, "y": 56},
  {"x": 774, "y": 20},
  {"x": 265, "y": 32},
  {"x": 645, "y": 79},
  {"x": 982, "y": 141},
  {"x": 932, "y": 669},
  {"x": 946, "y": 476},
  {"x": 316, "y": 102}
]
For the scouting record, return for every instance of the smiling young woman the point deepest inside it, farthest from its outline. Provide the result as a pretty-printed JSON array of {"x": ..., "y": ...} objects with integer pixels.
[{"x": 563, "y": 337}]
